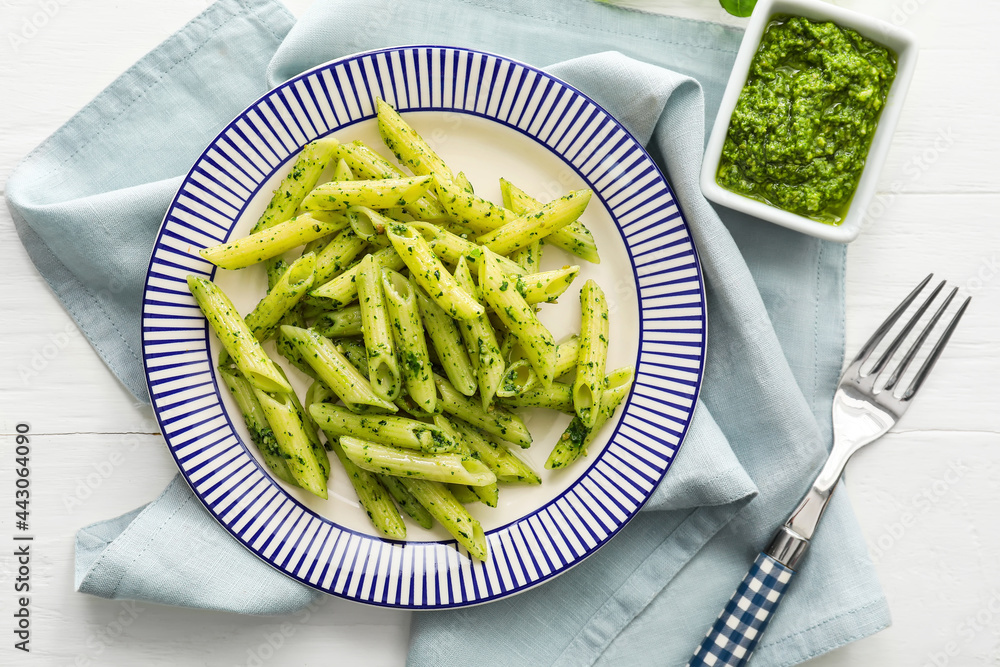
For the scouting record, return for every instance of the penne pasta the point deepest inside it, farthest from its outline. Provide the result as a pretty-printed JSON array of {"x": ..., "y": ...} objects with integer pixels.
[
  {"x": 343, "y": 289},
  {"x": 481, "y": 341},
  {"x": 298, "y": 183},
  {"x": 336, "y": 255},
  {"x": 384, "y": 429},
  {"x": 557, "y": 396},
  {"x": 366, "y": 163},
  {"x": 406, "y": 501},
  {"x": 408, "y": 334},
  {"x": 478, "y": 214},
  {"x": 573, "y": 442},
  {"x": 312, "y": 432},
  {"x": 518, "y": 378},
  {"x": 286, "y": 293},
  {"x": 337, "y": 323},
  {"x": 545, "y": 287},
  {"x": 383, "y": 371},
  {"x": 389, "y": 460},
  {"x": 496, "y": 421},
  {"x": 450, "y": 513},
  {"x": 356, "y": 354},
  {"x": 510, "y": 307},
  {"x": 566, "y": 356},
  {"x": 274, "y": 271},
  {"x": 528, "y": 258},
  {"x": 293, "y": 442},
  {"x": 521, "y": 232},
  {"x": 409, "y": 147},
  {"x": 574, "y": 238},
  {"x": 369, "y": 225},
  {"x": 447, "y": 342},
  {"x": 372, "y": 495},
  {"x": 451, "y": 247},
  {"x": 330, "y": 365},
  {"x": 590, "y": 366},
  {"x": 260, "y": 431},
  {"x": 287, "y": 349},
  {"x": 431, "y": 274},
  {"x": 273, "y": 241},
  {"x": 342, "y": 172},
  {"x": 385, "y": 193},
  {"x": 497, "y": 456},
  {"x": 462, "y": 181},
  {"x": 463, "y": 494},
  {"x": 236, "y": 338}
]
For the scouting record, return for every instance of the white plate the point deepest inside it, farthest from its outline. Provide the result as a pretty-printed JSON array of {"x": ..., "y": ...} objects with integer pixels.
[{"x": 490, "y": 117}]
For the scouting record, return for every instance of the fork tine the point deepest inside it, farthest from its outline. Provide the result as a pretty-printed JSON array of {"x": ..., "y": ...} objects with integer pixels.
[
  {"x": 918, "y": 343},
  {"x": 880, "y": 333},
  {"x": 898, "y": 340},
  {"x": 935, "y": 353}
]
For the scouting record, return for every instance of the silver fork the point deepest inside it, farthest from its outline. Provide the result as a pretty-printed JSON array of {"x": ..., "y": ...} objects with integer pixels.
[{"x": 863, "y": 411}]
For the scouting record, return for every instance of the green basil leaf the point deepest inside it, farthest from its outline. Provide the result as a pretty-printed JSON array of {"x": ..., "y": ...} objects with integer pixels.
[{"x": 738, "y": 7}]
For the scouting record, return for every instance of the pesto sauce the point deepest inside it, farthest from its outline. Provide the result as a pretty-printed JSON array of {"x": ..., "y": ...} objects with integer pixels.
[{"x": 802, "y": 126}]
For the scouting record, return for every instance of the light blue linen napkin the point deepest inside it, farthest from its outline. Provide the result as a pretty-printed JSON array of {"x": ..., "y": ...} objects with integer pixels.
[{"x": 775, "y": 312}]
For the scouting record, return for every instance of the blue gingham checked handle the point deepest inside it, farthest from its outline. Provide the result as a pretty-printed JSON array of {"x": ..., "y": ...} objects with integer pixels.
[{"x": 731, "y": 640}]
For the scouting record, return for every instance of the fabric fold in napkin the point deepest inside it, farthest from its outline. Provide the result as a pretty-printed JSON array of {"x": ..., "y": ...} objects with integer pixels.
[{"x": 774, "y": 352}]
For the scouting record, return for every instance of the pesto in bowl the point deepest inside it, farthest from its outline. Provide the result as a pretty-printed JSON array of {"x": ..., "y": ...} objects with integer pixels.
[{"x": 799, "y": 135}]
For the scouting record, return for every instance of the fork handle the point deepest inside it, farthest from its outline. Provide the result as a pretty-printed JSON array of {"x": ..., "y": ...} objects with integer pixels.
[{"x": 732, "y": 639}]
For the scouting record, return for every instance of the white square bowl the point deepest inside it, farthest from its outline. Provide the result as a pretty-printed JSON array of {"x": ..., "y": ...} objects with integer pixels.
[{"x": 900, "y": 41}]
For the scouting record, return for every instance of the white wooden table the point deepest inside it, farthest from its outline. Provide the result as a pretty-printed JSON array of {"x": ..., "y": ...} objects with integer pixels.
[{"x": 925, "y": 496}]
